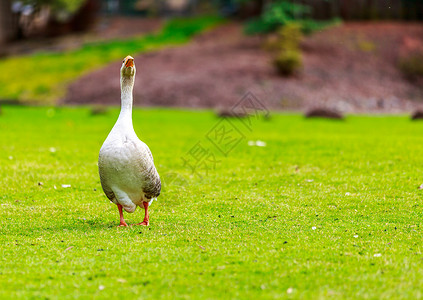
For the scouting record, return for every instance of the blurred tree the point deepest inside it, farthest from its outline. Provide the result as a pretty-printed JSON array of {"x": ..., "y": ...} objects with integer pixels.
[
  {"x": 8, "y": 22},
  {"x": 20, "y": 18},
  {"x": 250, "y": 8},
  {"x": 276, "y": 14},
  {"x": 279, "y": 13},
  {"x": 62, "y": 9},
  {"x": 71, "y": 15},
  {"x": 345, "y": 9}
]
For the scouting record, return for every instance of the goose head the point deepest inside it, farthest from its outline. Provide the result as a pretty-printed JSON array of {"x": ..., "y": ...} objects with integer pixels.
[{"x": 128, "y": 67}]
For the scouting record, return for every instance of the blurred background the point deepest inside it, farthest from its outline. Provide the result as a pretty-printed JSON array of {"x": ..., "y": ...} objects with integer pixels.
[{"x": 343, "y": 56}]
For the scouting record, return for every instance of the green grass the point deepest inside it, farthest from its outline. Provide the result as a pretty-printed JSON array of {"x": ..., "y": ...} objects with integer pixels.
[
  {"x": 243, "y": 232},
  {"x": 43, "y": 77}
]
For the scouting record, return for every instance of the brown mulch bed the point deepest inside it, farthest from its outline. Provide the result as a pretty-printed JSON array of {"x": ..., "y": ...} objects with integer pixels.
[{"x": 350, "y": 68}]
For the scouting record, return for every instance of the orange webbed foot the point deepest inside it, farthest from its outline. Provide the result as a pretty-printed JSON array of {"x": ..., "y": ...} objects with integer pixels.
[
  {"x": 143, "y": 223},
  {"x": 123, "y": 224}
]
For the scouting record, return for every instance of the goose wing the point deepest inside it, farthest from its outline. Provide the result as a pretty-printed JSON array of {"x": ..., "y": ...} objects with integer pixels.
[{"x": 150, "y": 177}]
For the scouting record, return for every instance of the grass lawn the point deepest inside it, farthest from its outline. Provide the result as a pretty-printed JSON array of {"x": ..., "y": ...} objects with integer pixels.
[
  {"x": 328, "y": 209},
  {"x": 50, "y": 73}
]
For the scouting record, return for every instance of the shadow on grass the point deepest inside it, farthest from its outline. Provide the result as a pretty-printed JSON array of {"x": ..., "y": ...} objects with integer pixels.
[{"x": 69, "y": 225}]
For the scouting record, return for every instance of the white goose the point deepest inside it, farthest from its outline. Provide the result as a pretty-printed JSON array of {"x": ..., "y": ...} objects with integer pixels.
[{"x": 127, "y": 172}]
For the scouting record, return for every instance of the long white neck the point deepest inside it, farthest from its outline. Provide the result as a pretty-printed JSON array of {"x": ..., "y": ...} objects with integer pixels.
[{"x": 126, "y": 87}]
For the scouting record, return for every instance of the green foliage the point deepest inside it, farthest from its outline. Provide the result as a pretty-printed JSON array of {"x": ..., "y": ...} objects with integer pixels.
[
  {"x": 283, "y": 12},
  {"x": 68, "y": 6},
  {"x": 275, "y": 15},
  {"x": 288, "y": 62},
  {"x": 327, "y": 210},
  {"x": 290, "y": 36},
  {"x": 366, "y": 46},
  {"x": 288, "y": 57},
  {"x": 42, "y": 77},
  {"x": 258, "y": 26},
  {"x": 181, "y": 29},
  {"x": 309, "y": 26},
  {"x": 280, "y": 13},
  {"x": 412, "y": 65}
]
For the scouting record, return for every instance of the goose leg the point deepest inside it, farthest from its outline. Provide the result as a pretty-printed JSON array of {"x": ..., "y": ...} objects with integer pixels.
[
  {"x": 122, "y": 220},
  {"x": 146, "y": 217}
]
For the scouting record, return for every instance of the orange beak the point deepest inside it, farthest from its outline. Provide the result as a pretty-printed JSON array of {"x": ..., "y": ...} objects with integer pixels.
[{"x": 129, "y": 62}]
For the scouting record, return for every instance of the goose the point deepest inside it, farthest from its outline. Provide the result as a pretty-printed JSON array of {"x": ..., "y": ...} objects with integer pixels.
[{"x": 125, "y": 163}]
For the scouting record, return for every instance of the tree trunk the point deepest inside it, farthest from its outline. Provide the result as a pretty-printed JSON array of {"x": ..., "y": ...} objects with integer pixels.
[
  {"x": 252, "y": 8},
  {"x": 8, "y": 22}
]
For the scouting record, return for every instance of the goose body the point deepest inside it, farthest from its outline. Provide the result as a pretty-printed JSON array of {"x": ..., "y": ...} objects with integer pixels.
[{"x": 127, "y": 172}]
